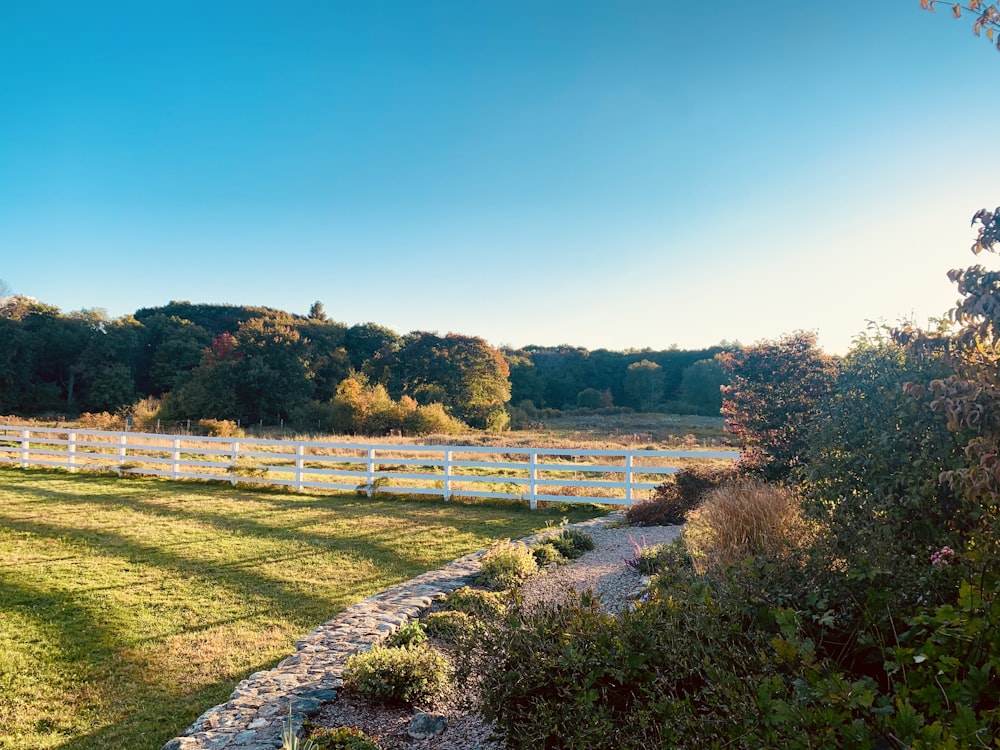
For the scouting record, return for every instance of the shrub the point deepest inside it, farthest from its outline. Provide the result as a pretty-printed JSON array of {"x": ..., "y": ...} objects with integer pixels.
[
  {"x": 547, "y": 554},
  {"x": 743, "y": 519},
  {"x": 507, "y": 564},
  {"x": 875, "y": 453},
  {"x": 573, "y": 676},
  {"x": 572, "y": 543},
  {"x": 342, "y": 738},
  {"x": 101, "y": 421},
  {"x": 397, "y": 675},
  {"x": 644, "y": 560},
  {"x": 774, "y": 389},
  {"x": 144, "y": 413},
  {"x": 476, "y": 602},
  {"x": 432, "y": 419},
  {"x": 452, "y": 625},
  {"x": 673, "y": 499},
  {"x": 409, "y": 635},
  {"x": 220, "y": 428}
]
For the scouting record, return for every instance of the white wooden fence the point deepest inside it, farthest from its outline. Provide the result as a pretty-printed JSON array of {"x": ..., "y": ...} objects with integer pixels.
[{"x": 617, "y": 476}]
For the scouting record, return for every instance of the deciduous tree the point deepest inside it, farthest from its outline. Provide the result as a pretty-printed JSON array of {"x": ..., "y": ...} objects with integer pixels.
[
  {"x": 644, "y": 384},
  {"x": 769, "y": 403}
]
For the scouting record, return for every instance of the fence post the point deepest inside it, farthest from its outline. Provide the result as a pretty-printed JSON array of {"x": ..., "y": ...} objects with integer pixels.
[
  {"x": 370, "y": 488},
  {"x": 447, "y": 475},
  {"x": 235, "y": 449},
  {"x": 122, "y": 440},
  {"x": 25, "y": 449},
  {"x": 628, "y": 478},
  {"x": 175, "y": 457},
  {"x": 71, "y": 452},
  {"x": 300, "y": 451},
  {"x": 533, "y": 480}
]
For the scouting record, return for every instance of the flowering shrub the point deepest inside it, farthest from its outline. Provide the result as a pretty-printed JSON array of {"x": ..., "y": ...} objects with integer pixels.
[{"x": 943, "y": 556}]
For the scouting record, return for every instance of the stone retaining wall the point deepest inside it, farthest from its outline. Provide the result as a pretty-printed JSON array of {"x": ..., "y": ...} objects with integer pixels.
[{"x": 252, "y": 718}]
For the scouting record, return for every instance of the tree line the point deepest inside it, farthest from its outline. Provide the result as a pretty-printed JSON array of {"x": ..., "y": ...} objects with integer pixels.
[{"x": 258, "y": 365}]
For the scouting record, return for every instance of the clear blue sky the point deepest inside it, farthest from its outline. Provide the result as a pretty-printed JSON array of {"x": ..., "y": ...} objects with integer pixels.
[{"x": 616, "y": 174}]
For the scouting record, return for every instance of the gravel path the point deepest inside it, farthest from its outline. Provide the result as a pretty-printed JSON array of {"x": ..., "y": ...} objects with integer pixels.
[{"x": 602, "y": 569}]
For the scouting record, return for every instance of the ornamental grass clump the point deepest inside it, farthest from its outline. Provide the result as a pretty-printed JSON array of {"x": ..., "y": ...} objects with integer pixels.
[
  {"x": 506, "y": 565},
  {"x": 415, "y": 674},
  {"x": 745, "y": 519}
]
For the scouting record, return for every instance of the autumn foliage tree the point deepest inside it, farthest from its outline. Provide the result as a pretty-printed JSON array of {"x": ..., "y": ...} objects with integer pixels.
[
  {"x": 970, "y": 399},
  {"x": 773, "y": 390},
  {"x": 986, "y": 16}
]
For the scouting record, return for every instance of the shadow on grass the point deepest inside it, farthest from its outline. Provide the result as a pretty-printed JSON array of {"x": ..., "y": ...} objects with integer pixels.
[
  {"x": 511, "y": 520},
  {"x": 160, "y": 713}
]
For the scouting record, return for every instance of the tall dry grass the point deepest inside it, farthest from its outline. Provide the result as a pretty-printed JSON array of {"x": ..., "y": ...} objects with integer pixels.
[{"x": 743, "y": 519}]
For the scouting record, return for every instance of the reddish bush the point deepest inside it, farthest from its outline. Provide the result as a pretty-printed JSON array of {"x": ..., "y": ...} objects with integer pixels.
[{"x": 673, "y": 499}]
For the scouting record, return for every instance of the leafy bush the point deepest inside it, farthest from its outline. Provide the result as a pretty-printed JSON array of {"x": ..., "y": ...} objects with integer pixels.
[
  {"x": 573, "y": 676},
  {"x": 546, "y": 554},
  {"x": 773, "y": 391},
  {"x": 673, "y": 499},
  {"x": 451, "y": 625},
  {"x": 505, "y": 565},
  {"x": 572, "y": 543},
  {"x": 743, "y": 519},
  {"x": 101, "y": 421},
  {"x": 220, "y": 428},
  {"x": 409, "y": 635},
  {"x": 476, "y": 602},
  {"x": 432, "y": 419},
  {"x": 342, "y": 738},
  {"x": 397, "y": 675},
  {"x": 875, "y": 452}
]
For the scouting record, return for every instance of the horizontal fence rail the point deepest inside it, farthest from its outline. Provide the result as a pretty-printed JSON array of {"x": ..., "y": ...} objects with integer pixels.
[{"x": 606, "y": 476}]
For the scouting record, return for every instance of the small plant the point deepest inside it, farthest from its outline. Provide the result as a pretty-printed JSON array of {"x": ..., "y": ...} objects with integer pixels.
[
  {"x": 342, "y": 738},
  {"x": 451, "y": 626},
  {"x": 409, "y": 635},
  {"x": 547, "y": 554},
  {"x": 644, "y": 560},
  {"x": 476, "y": 602},
  {"x": 507, "y": 564},
  {"x": 290, "y": 740},
  {"x": 416, "y": 674},
  {"x": 572, "y": 543}
]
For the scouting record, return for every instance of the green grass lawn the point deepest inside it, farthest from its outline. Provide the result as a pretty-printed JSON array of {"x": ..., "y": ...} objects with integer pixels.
[{"x": 128, "y": 607}]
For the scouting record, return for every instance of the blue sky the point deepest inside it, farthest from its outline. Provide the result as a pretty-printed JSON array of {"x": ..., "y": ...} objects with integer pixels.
[{"x": 604, "y": 174}]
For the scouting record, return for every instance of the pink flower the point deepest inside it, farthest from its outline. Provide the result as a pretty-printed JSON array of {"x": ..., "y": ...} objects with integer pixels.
[{"x": 943, "y": 556}]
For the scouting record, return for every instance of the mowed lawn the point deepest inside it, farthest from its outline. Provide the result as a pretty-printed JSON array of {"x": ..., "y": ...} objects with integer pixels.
[{"x": 128, "y": 606}]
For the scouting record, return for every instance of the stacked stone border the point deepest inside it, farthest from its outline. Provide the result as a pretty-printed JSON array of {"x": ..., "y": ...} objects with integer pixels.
[{"x": 299, "y": 685}]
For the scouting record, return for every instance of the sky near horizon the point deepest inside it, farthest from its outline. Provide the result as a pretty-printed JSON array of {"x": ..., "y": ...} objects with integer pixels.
[{"x": 614, "y": 175}]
